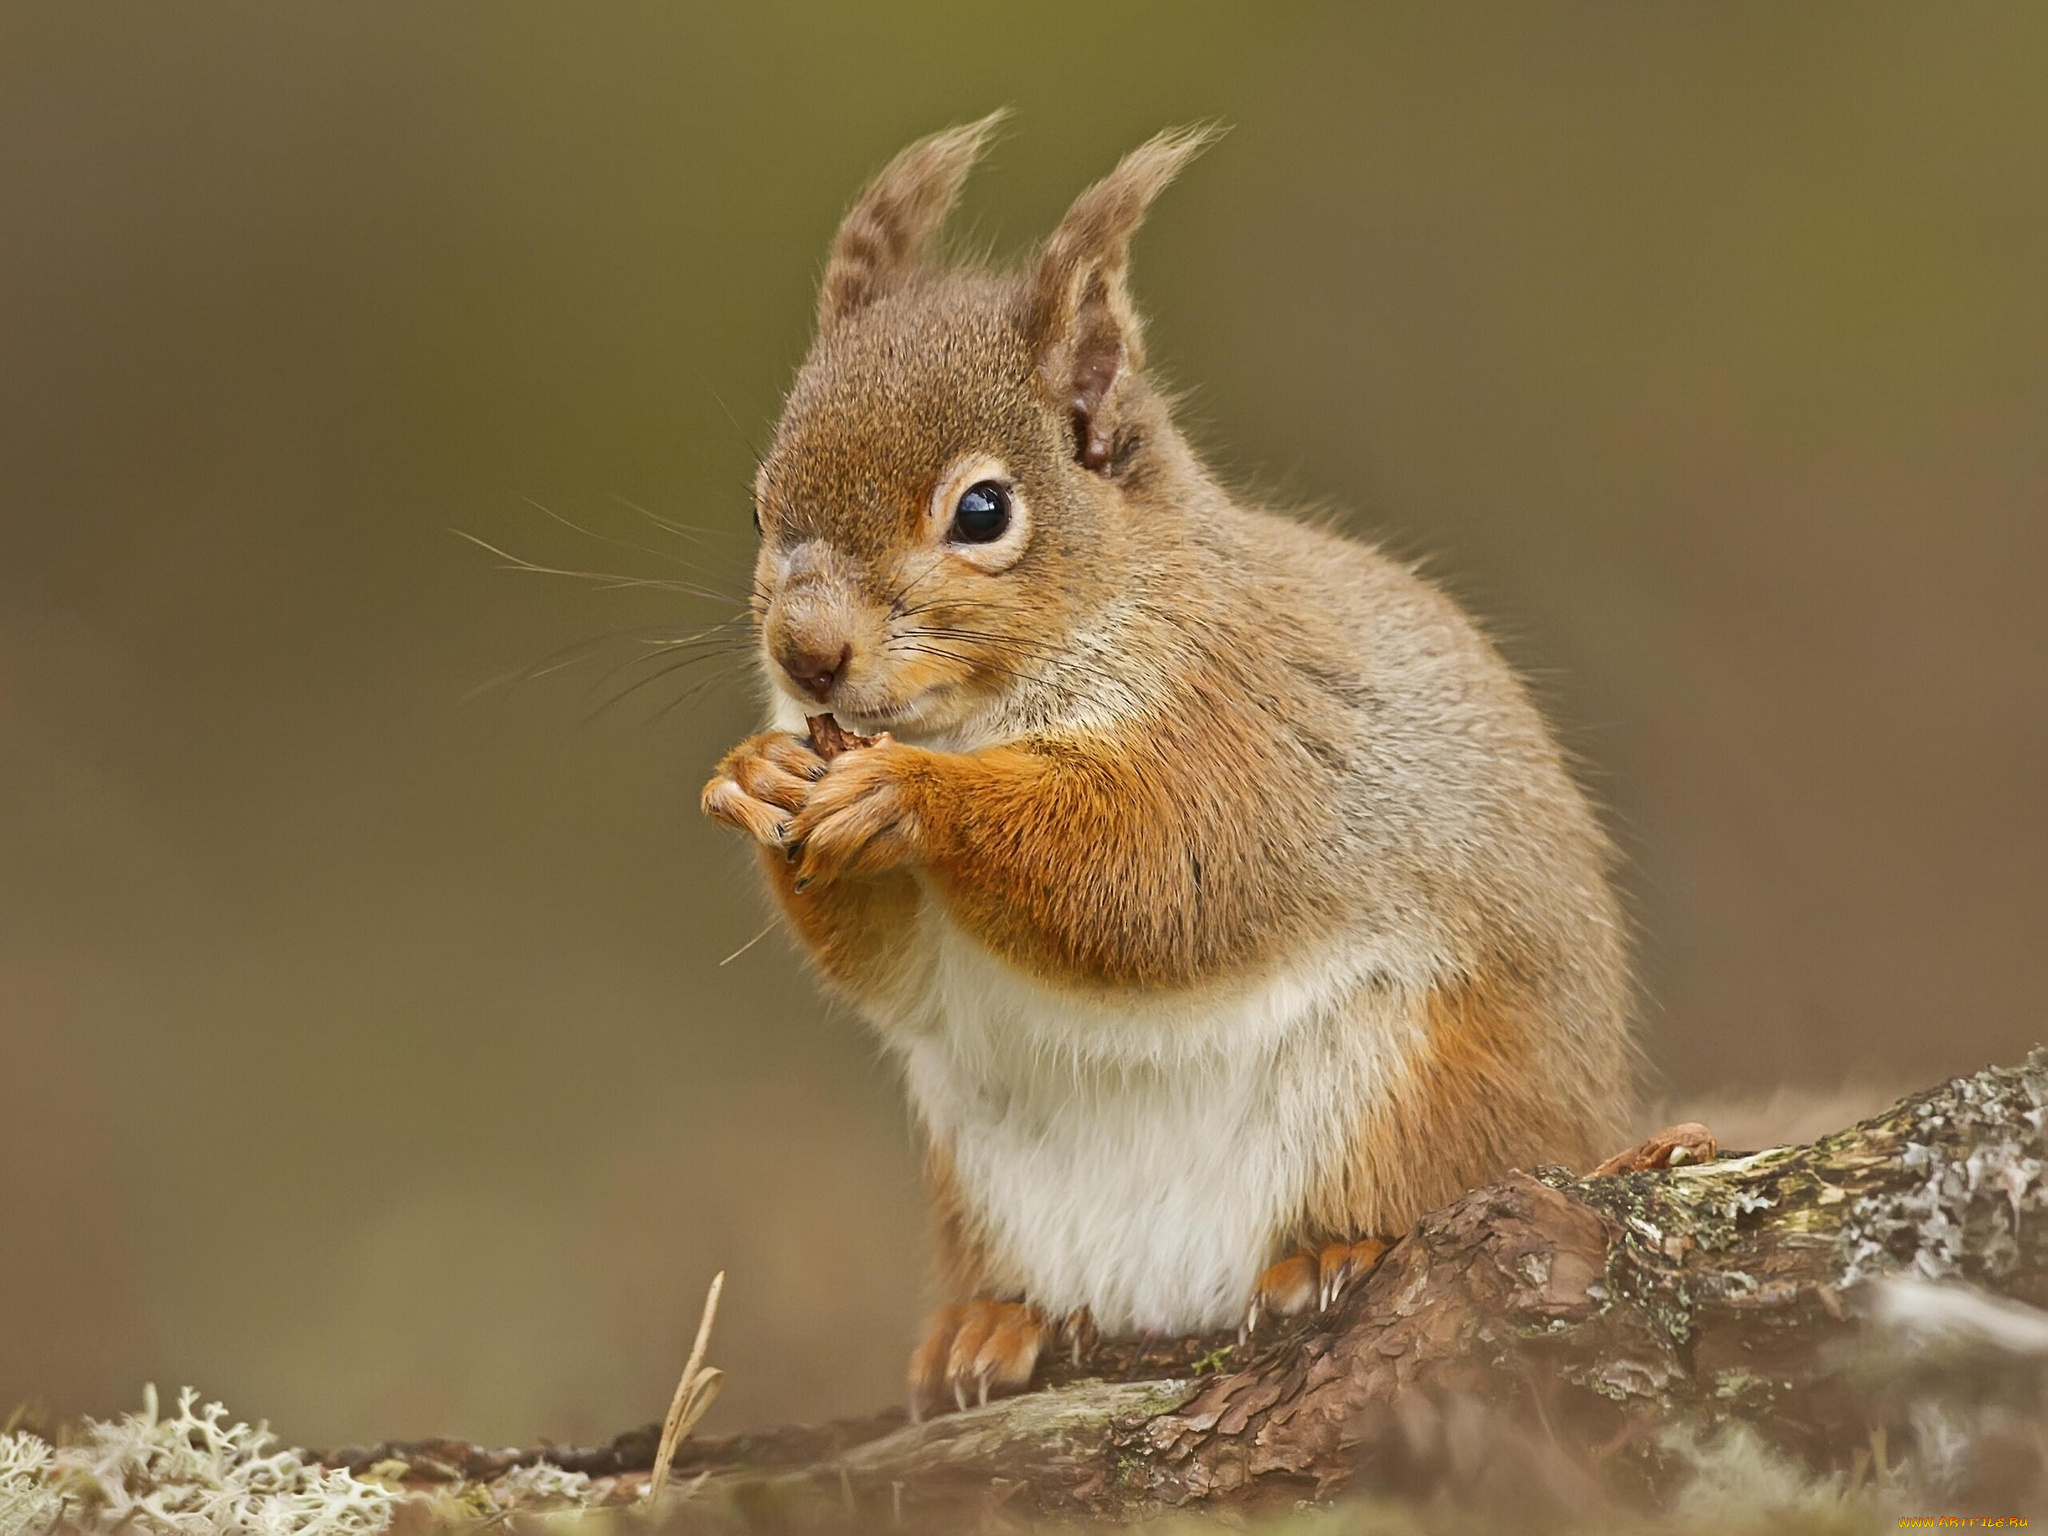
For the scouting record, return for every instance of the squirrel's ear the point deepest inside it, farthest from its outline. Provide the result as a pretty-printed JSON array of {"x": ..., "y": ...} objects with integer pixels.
[
  {"x": 1083, "y": 329},
  {"x": 884, "y": 235}
]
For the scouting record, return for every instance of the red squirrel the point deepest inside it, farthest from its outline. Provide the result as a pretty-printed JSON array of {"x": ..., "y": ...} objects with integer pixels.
[{"x": 1218, "y": 888}]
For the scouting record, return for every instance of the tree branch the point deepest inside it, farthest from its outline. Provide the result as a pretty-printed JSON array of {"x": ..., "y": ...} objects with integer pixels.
[{"x": 1545, "y": 1334}]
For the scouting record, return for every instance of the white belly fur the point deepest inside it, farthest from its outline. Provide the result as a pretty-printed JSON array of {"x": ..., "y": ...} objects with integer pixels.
[{"x": 1141, "y": 1156}]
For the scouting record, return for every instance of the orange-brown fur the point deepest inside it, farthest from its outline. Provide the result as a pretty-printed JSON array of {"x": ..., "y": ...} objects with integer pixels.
[
  {"x": 1474, "y": 1094},
  {"x": 998, "y": 829},
  {"x": 960, "y": 1248}
]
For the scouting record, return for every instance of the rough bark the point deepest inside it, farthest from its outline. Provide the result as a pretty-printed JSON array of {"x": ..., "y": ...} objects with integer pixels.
[{"x": 1544, "y": 1333}]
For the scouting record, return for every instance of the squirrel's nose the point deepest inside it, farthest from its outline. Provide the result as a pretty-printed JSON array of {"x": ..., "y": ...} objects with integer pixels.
[{"x": 816, "y": 670}]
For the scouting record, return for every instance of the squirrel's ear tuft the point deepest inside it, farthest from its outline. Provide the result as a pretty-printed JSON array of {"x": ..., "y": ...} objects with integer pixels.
[
  {"x": 1083, "y": 329},
  {"x": 883, "y": 236}
]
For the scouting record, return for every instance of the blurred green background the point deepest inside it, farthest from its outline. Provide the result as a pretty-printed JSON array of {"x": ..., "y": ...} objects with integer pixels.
[{"x": 365, "y": 1052}]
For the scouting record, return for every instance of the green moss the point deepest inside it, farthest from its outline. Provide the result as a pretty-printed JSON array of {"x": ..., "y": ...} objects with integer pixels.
[{"x": 1215, "y": 1361}]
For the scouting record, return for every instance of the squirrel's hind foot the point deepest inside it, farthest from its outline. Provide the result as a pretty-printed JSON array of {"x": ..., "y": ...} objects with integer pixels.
[
  {"x": 1309, "y": 1277},
  {"x": 975, "y": 1351},
  {"x": 1673, "y": 1147}
]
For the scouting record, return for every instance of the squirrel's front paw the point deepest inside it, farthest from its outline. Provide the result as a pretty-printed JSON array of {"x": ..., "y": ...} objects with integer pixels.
[
  {"x": 762, "y": 784},
  {"x": 973, "y": 1352},
  {"x": 857, "y": 819},
  {"x": 1309, "y": 1278}
]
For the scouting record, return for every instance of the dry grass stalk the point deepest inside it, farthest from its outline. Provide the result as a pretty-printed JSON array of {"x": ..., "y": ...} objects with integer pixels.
[{"x": 694, "y": 1393}]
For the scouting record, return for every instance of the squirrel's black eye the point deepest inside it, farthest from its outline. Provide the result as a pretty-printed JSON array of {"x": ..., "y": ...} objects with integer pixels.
[{"x": 982, "y": 513}]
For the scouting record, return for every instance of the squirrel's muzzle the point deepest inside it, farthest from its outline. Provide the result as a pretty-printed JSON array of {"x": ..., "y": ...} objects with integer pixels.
[{"x": 812, "y": 621}]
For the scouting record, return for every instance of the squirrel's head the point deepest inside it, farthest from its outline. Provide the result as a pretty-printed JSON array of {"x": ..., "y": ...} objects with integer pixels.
[{"x": 951, "y": 477}]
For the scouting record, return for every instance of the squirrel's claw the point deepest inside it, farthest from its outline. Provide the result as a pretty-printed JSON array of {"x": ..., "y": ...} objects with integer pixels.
[
  {"x": 1078, "y": 1329},
  {"x": 761, "y": 785},
  {"x": 975, "y": 1352},
  {"x": 1304, "y": 1279},
  {"x": 725, "y": 801},
  {"x": 1673, "y": 1147},
  {"x": 856, "y": 820},
  {"x": 1341, "y": 1263},
  {"x": 1284, "y": 1290}
]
